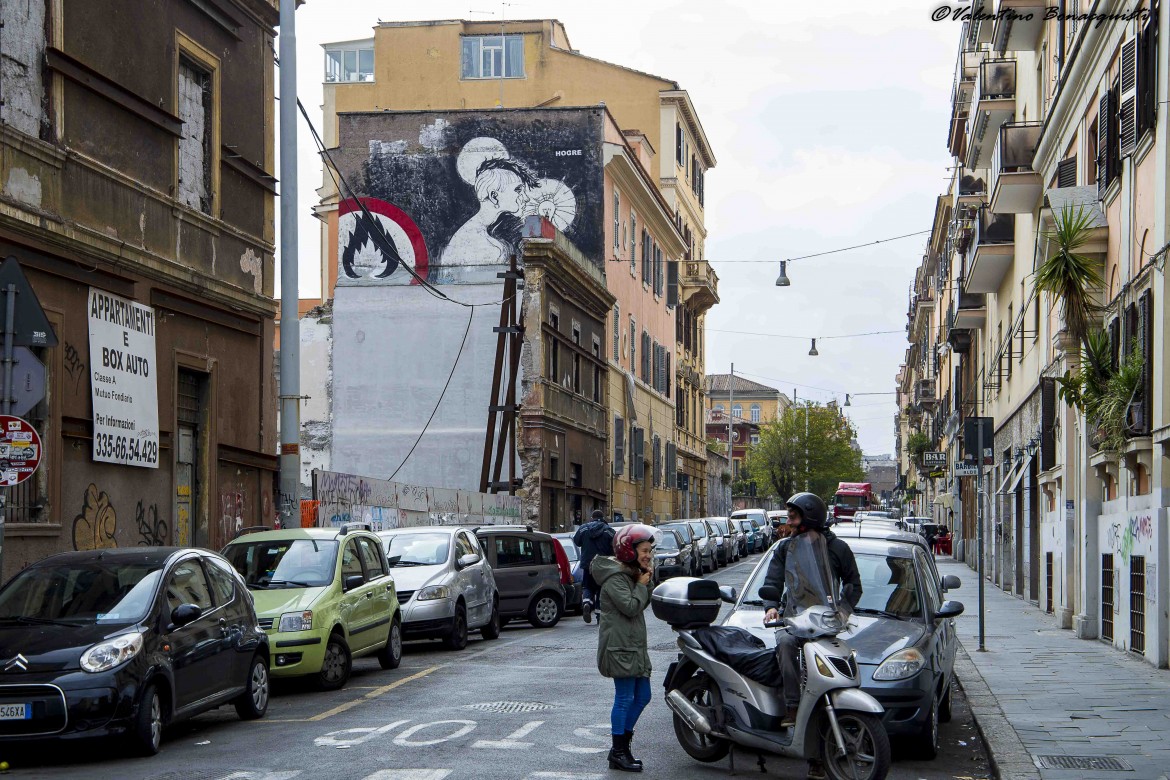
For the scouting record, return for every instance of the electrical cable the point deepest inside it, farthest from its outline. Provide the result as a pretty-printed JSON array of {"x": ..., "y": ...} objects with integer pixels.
[
  {"x": 806, "y": 338},
  {"x": 830, "y": 252},
  {"x": 459, "y": 354}
]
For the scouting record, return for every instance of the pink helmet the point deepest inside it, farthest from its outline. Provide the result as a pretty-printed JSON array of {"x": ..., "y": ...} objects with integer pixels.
[{"x": 628, "y": 537}]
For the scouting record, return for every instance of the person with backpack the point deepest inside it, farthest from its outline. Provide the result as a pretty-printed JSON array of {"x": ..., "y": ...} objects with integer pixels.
[
  {"x": 592, "y": 539},
  {"x": 622, "y": 647}
]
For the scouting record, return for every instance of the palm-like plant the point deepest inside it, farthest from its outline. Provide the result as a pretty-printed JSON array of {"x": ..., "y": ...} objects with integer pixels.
[{"x": 1072, "y": 277}]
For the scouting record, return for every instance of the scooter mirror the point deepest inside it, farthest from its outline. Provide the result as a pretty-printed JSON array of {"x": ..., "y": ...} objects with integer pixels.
[
  {"x": 728, "y": 594},
  {"x": 770, "y": 593}
]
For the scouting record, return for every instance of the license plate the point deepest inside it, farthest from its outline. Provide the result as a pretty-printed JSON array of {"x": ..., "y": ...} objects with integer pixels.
[{"x": 15, "y": 711}]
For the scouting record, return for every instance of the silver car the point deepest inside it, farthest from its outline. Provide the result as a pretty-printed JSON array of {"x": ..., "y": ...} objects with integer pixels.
[
  {"x": 705, "y": 545},
  {"x": 445, "y": 585}
]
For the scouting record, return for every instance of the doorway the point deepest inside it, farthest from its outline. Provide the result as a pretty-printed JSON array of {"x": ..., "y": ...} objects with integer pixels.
[{"x": 191, "y": 427}]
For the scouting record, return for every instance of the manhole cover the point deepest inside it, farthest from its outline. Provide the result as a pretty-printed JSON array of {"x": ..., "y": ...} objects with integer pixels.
[
  {"x": 1106, "y": 763},
  {"x": 509, "y": 706}
]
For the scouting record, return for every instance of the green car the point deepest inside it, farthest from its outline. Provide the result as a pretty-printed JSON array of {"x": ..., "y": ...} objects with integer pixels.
[{"x": 324, "y": 596}]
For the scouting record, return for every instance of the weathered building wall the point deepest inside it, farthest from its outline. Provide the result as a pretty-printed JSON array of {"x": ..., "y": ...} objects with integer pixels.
[
  {"x": 317, "y": 384},
  {"x": 22, "y": 42}
]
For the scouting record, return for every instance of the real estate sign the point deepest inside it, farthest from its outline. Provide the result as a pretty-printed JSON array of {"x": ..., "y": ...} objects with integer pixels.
[{"x": 123, "y": 380}]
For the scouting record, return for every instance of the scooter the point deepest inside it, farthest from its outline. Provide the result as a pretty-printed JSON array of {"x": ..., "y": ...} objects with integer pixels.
[{"x": 715, "y": 706}]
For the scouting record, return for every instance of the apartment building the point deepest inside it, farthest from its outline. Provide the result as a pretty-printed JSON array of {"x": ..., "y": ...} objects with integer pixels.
[
  {"x": 654, "y": 202},
  {"x": 1056, "y": 121},
  {"x": 141, "y": 187}
]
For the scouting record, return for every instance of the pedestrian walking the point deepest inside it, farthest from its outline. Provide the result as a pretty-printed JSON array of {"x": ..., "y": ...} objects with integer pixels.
[
  {"x": 622, "y": 652},
  {"x": 592, "y": 539}
]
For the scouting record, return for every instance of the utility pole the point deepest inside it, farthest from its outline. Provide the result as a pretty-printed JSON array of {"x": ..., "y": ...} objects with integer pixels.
[
  {"x": 807, "y": 480},
  {"x": 730, "y": 421},
  {"x": 290, "y": 326}
]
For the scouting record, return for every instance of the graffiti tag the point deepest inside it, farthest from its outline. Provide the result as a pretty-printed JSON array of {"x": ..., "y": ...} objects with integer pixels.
[
  {"x": 152, "y": 530},
  {"x": 97, "y": 524},
  {"x": 74, "y": 365}
]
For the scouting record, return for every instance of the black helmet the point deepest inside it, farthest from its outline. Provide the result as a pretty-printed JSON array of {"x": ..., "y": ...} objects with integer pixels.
[{"x": 812, "y": 510}]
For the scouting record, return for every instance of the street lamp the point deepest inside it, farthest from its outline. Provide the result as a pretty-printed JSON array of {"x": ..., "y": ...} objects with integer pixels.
[
  {"x": 782, "y": 279},
  {"x": 813, "y": 351},
  {"x": 847, "y": 400}
]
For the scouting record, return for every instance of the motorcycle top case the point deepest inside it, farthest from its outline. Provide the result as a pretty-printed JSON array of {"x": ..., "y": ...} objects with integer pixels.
[{"x": 686, "y": 601}]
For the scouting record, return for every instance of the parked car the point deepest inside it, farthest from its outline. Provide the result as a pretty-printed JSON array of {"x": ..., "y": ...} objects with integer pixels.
[
  {"x": 575, "y": 592},
  {"x": 753, "y": 538},
  {"x": 759, "y": 519},
  {"x": 729, "y": 549},
  {"x": 444, "y": 582},
  {"x": 125, "y": 642},
  {"x": 687, "y": 536},
  {"x": 529, "y": 574},
  {"x": 706, "y": 543},
  {"x": 324, "y": 595},
  {"x": 902, "y": 631},
  {"x": 672, "y": 558}
]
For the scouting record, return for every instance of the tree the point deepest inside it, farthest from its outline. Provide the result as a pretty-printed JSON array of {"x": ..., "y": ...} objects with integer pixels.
[{"x": 779, "y": 466}]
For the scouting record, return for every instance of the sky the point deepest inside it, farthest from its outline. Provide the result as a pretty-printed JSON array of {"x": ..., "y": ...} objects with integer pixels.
[{"x": 828, "y": 122}]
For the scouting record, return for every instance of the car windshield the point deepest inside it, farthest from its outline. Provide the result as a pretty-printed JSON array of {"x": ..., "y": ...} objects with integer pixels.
[
  {"x": 683, "y": 531},
  {"x": 668, "y": 543},
  {"x": 721, "y": 525},
  {"x": 570, "y": 548},
  {"x": 699, "y": 529},
  {"x": 79, "y": 594},
  {"x": 416, "y": 549},
  {"x": 850, "y": 501},
  {"x": 284, "y": 563}
]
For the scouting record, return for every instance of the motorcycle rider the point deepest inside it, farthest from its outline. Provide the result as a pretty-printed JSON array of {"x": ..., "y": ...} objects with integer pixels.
[{"x": 806, "y": 514}]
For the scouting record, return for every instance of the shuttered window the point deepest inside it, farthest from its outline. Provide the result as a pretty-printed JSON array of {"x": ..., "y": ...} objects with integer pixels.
[
  {"x": 619, "y": 444},
  {"x": 672, "y": 284},
  {"x": 1066, "y": 172}
]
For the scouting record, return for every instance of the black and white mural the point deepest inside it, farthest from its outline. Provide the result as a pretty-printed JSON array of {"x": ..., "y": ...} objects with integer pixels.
[{"x": 443, "y": 195}]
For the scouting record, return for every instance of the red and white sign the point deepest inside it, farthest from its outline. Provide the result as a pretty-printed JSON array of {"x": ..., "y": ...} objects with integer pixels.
[{"x": 20, "y": 450}]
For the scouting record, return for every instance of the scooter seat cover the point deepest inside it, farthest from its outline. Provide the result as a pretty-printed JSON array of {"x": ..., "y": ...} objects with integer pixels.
[{"x": 742, "y": 651}]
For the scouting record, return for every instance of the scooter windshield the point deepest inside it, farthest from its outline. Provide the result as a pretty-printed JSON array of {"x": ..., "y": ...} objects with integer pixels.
[{"x": 808, "y": 577}]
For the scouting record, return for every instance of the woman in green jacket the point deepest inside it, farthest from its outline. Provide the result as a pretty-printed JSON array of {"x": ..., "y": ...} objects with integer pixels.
[{"x": 622, "y": 654}]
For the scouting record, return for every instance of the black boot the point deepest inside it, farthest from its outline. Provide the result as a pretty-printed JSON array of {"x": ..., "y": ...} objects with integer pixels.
[
  {"x": 630, "y": 749},
  {"x": 619, "y": 756}
]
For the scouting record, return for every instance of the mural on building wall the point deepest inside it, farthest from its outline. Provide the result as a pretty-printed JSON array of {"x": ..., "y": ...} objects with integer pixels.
[
  {"x": 447, "y": 195},
  {"x": 97, "y": 524}
]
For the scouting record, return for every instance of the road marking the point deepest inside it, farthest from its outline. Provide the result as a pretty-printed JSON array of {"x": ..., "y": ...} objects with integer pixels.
[
  {"x": 587, "y": 733},
  {"x": 493, "y": 646},
  {"x": 261, "y": 775},
  {"x": 405, "y": 740},
  {"x": 563, "y": 776},
  {"x": 512, "y": 741},
  {"x": 340, "y": 708},
  {"x": 365, "y": 734},
  {"x": 408, "y": 774}
]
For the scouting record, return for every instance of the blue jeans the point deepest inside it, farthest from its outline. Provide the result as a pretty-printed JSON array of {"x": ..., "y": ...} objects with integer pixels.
[{"x": 630, "y": 697}]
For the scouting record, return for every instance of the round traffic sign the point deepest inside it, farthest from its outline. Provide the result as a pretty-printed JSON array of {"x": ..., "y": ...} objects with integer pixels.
[{"x": 20, "y": 450}]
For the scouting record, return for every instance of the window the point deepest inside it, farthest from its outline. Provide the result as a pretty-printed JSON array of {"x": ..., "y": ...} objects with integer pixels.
[
  {"x": 493, "y": 57},
  {"x": 197, "y": 144},
  {"x": 737, "y": 410},
  {"x": 659, "y": 277},
  {"x": 633, "y": 244},
  {"x": 755, "y": 438},
  {"x": 222, "y": 581},
  {"x": 678, "y": 143},
  {"x": 1011, "y": 344},
  {"x": 576, "y": 373},
  {"x": 755, "y": 411},
  {"x": 597, "y": 384},
  {"x": 463, "y": 546},
  {"x": 554, "y": 467},
  {"x": 554, "y": 319},
  {"x": 617, "y": 214},
  {"x": 647, "y": 250},
  {"x": 619, "y": 444},
  {"x": 554, "y": 359},
  {"x": 188, "y": 585},
  {"x": 617, "y": 332},
  {"x": 633, "y": 350},
  {"x": 515, "y": 551},
  {"x": 351, "y": 564},
  {"x": 371, "y": 558},
  {"x": 349, "y": 63}
]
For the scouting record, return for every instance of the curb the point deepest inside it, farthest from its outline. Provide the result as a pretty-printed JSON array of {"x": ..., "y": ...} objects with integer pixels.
[{"x": 1010, "y": 760}]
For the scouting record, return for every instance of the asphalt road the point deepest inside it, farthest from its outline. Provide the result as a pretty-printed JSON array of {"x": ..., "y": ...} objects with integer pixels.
[{"x": 527, "y": 706}]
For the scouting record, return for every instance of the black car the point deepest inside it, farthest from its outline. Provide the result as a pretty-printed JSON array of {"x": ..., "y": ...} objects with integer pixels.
[
  {"x": 124, "y": 642},
  {"x": 672, "y": 558}
]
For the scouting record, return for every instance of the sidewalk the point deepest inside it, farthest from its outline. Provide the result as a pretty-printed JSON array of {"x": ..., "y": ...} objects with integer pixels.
[{"x": 1038, "y": 691}]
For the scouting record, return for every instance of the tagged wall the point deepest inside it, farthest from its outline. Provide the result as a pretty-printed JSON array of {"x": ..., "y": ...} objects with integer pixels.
[
  {"x": 448, "y": 191},
  {"x": 1133, "y": 540}
]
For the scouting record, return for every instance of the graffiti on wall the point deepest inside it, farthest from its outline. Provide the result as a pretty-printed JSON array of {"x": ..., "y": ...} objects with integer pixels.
[
  {"x": 74, "y": 365},
  {"x": 152, "y": 530},
  {"x": 232, "y": 510},
  {"x": 462, "y": 184},
  {"x": 343, "y": 498},
  {"x": 97, "y": 524},
  {"x": 1123, "y": 536}
]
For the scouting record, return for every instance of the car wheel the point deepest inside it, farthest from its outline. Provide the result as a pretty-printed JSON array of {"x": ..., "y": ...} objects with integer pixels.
[
  {"x": 545, "y": 610},
  {"x": 146, "y": 733},
  {"x": 253, "y": 702},
  {"x": 927, "y": 743},
  {"x": 336, "y": 666},
  {"x": 492, "y": 629},
  {"x": 944, "y": 707},
  {"x": 457, "y": 639},
  {"x": 390, "y": 656}
]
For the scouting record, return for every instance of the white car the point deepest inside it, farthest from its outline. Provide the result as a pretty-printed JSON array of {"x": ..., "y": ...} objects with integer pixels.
[{"x": 445, "y": 584}]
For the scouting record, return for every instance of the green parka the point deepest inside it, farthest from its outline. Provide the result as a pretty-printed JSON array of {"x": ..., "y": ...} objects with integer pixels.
[{"x": 621, "y": 642}]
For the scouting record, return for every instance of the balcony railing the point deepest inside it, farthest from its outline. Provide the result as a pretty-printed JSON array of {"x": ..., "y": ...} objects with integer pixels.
[
  {"x": 1015, "y": 185},
  {"x": 997, "y": 80},
  {"x": 699, "y": 282}
]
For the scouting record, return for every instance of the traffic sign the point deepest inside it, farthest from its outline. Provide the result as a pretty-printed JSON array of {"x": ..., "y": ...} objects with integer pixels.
[
  {"x": 31, "y": 327},
  {"x": 20, "y": 450},
  {"x": 28, "y": 381}
]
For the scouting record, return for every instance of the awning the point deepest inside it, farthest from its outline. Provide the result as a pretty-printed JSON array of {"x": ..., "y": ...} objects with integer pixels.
[
  {"x": 945, "y": 500},
  {"x": 1023, "y": 469},
  {"x": 1007, "y": 478},
  {"x": 631, "y": 412}
]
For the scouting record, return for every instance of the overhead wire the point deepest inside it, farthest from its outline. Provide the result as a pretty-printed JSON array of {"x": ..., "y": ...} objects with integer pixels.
[
  {"x": 806, "y": 338},
  {"x": 829, "y": 252}
]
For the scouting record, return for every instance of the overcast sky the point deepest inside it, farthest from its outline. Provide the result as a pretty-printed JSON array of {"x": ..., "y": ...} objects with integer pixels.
[{"x": 828, "y": 121}]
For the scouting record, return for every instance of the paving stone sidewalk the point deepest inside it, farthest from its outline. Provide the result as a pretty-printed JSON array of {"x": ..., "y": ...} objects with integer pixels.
[{"x": 1043, "y": 698}]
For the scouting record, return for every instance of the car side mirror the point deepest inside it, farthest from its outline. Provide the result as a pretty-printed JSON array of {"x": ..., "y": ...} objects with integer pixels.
[
  {"x": 728, "y": 594},
  {"x": 467, "y": 560},
  {"x": 770, "y": 592},
  {"x": 949, "y": 609},
  {"x": 951, "y": 582},
  {"x": 185, "y": 614},
  {"x": 353, "y": 581}
]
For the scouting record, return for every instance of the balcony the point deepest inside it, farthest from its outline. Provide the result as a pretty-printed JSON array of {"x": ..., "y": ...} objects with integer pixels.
[
  {"x": 994, "y": 103},
  {"x": 924, "y": 394},
  {"x": 1015, "y": 185},
  {"x": 994, "y": 251},
  {"x": 1018, "y": 24},
  {"x": 920, "y": 308},
  {"x": 971, "y": 190},
  {"x": 699, "y": 285},
  {"x": 1078, "y": 199}
]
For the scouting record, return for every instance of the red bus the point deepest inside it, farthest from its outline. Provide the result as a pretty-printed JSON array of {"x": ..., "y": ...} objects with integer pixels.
[{"x": 852, "y": 497}]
